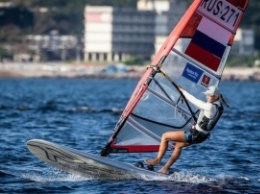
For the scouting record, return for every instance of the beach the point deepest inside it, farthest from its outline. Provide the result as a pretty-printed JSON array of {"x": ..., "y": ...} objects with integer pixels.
[{"x": 33, "y": 70}]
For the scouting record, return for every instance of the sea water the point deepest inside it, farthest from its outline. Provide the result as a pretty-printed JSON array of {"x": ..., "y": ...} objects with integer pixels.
[{"x": 82, "y": 113}]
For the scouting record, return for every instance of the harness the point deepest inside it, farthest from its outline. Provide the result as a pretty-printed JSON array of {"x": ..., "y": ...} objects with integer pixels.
[{"x": 206, "y": 124}]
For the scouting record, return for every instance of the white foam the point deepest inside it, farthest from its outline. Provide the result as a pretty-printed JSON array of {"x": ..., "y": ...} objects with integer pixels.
[
  {"x": 52, "y": 176},
  {"x": 185, "y": 177}
]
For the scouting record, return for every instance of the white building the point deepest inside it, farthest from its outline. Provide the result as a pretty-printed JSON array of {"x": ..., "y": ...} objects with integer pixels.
[
  {"x": 243, "y": 42},
  {"x": 63, "y": 46},
  {"x": 115, "y": 34}
]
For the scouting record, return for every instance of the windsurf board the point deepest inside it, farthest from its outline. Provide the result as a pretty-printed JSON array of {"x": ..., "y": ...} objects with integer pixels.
[{"x": 87, "y": 164}]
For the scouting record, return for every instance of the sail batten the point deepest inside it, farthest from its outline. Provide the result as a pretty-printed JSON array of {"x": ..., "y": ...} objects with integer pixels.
[{"x": 193, "y": 57}]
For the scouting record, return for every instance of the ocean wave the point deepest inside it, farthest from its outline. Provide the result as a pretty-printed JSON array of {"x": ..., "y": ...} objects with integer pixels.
[{"x": 54, "y": 108}]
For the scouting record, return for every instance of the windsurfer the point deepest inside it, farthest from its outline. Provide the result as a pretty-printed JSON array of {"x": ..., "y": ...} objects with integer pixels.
[{"x": 210, "y": 112}]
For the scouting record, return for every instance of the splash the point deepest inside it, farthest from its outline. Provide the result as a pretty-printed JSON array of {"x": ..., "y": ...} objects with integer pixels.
[
  {"x": 47, "y": 175},
  {"x": 183, "y": 177},
  {"x": 37, "y": 177}
]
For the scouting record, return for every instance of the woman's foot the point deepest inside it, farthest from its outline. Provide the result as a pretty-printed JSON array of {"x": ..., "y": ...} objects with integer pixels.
[
  {"x": 152, "y": 161},
  {"x": 168, "y": 172},
  {"x": 163, "y": 170}
]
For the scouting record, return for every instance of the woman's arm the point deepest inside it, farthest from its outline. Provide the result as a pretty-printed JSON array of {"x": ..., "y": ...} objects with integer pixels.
[{"x": 198, "y": 103}]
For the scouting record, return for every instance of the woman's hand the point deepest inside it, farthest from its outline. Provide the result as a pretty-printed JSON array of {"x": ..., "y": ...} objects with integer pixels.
[{"x": 180, "y": 88}]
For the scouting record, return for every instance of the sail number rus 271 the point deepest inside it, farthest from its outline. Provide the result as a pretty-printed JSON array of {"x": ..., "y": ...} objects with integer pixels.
[{"x": 221, "y": 11}]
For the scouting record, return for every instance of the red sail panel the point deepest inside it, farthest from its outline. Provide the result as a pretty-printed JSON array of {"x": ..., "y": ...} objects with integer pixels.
[
  {"x": 203, "y": 56},
  {"x": 238, "y": 3},
  {"x": 192, "y": 26},
  {"x": 135, "y": 148}
]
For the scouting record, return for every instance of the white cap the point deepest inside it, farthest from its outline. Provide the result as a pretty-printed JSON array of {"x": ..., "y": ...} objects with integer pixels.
[{"x": 212, "y": 91}]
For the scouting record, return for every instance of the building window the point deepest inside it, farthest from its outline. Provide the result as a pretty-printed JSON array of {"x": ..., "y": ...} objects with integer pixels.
[{"x": 89, "y": 56}]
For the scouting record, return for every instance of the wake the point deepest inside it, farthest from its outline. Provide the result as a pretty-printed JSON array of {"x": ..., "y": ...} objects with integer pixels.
[
  {"x": 46, "y": 175},
  {"x": 50, "y": 174}
]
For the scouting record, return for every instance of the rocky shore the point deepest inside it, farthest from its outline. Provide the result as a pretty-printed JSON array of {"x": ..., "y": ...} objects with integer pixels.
[{"x": 30, "y": 70}]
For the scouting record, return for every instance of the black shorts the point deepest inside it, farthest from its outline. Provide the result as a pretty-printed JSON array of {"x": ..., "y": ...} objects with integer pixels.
[{"x": 194, "y": 136}]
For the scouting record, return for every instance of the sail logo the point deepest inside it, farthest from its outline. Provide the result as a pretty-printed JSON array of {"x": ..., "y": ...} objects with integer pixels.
[
  {"x": 192, "y": 73},
  {"x": 205, "y": 80}
]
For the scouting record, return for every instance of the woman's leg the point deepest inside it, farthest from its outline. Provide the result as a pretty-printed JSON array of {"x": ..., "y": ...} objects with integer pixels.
[
  {"x": 176, "y": 136},
  {"x": 175, "y": 155}
]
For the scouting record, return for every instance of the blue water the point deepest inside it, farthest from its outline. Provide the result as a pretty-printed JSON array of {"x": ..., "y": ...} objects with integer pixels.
[{"x": 81, "y": 113}]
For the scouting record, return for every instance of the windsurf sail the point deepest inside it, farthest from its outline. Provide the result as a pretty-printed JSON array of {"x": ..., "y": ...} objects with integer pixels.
[{"x": 193, "y": 57}]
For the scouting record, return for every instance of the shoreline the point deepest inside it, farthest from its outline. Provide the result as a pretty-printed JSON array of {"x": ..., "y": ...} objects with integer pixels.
[
  {"x": 64, "y": 70},
  {"x": 241, "y": 74}
]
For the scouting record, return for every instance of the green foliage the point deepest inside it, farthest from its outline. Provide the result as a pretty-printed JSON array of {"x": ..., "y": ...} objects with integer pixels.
[
  {"x": 252, "y": 14},
  {"x": 66, "y": 16},
  {"x": 3, "y": 53},
  {"x": 242, "y": 61},
  {"x": 11, "y": 34},
  {"x": 19, "y": 16},
  {"x": 134, "y": 61},
  {"x": 251, "y": 19}
]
